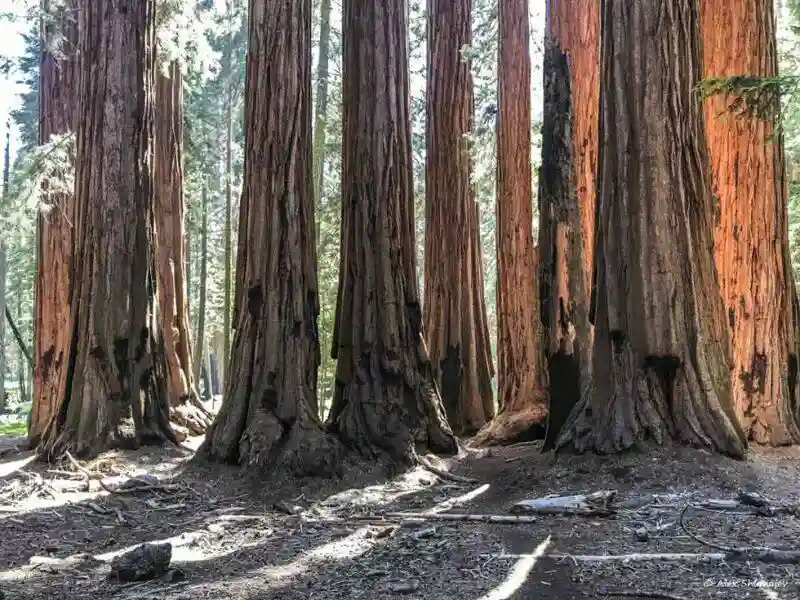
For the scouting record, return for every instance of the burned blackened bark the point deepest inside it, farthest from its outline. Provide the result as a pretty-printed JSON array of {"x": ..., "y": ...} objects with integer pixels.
[
  {"x": 521, "y": 376},
  {"x": 113, "y": 389},
  {"x": 186, "y": 409},
  {"x": 752, "y": 240},
  {"x": 567, "y": 200},
  {"x": 661, "y": 354},
  {"x": 454, "y": 306},
  {"x": 267, "y": 416},
  {"x": 386, "y": 399},
  {"x": 57, "y": 89}
]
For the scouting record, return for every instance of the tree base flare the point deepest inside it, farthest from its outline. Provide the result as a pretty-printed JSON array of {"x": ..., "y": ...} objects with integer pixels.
[
  {"x": 513, "y": 427},
  {"x": 301, "y": 448},
  {"x": 652, "y": 404}
]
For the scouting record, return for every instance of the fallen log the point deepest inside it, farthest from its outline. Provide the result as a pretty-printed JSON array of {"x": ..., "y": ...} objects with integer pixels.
[{"x": 594, "y": 504}]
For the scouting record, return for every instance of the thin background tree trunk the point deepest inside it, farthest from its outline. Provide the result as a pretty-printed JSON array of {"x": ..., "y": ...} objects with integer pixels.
[
  {"x": 3, "y": 270},
  {"x": 203, "y": 284},
  {"x": 752, "y": 238}
]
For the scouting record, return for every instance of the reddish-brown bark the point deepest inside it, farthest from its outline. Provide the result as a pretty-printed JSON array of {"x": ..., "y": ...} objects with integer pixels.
[
  {"x": 57, "y": 89},
  {"x": 521, "y": 376},
  {"x": 386, "y": 398},
  {"x": 661, "y": 353},
  {"x": 751, "y": 241},
  {"x": 454, "y": 306},
  {"x": 268, "y": 415},
  {"x": 567, "y": 199},
  {"x": 113, "y": 389},
  {"x": 169, "y": 211}
]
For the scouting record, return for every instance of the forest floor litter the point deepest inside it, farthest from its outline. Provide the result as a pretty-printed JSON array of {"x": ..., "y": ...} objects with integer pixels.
[{"x": 493, "y": 524}]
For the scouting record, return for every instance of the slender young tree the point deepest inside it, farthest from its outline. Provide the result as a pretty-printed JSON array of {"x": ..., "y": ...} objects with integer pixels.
[
  {"x": 386, "y": 399},
  {"x": 521, "y": 375},
  {"x": 267, "y": 416},
  {"x": 752, "y": 238},
  {"x": 169, "y": 211},
  {"x": 200, "y": 340},
  {"x": 454, "y": 307},
  {"x": 113, "y": 390},
  {"x": 661, "y": 354},
  {"x": 321, "y": 108},
  {"x": 4, "y": 268},
  {"x": 567, "y": 199}
]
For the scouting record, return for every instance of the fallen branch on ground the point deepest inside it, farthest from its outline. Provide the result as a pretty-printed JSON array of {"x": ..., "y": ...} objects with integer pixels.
[
  {"x": 657, "y": 595},
  {"x": 772, "y": 557},
  {"x": 496, "y": 519},
  {"x": 753, "y": 553},
  {"x": 145, "y": 487},
  {"x": 425, "y": 464}
]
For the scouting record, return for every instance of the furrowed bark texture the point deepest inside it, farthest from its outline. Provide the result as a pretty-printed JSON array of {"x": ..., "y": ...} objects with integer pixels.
[
  {"x": 521, "y": 375},
  {"x": 267, "y": 416},
  {"x": 114, "y": 388},
  {"x": 752, "y": 239},
  {"x": 386, "y": 398},
  {"x": 661, "y": 354},
  {"x": 57, "y": 89},
  {"x": 454, "y": 307},
  {"x": 170, "y": 209},
  {"x": 567, "y": 199}
]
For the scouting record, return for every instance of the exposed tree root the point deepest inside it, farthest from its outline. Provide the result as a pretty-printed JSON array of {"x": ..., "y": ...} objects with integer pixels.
[{"x": 192, "y": 415}]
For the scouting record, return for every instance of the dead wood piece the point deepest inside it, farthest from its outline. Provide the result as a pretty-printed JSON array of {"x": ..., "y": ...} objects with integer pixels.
[
  {"x": 594, "y": 504},
  {"x": 496, "y": 519},
  {"x": 425, "y": 464},
  {"x": 143, "y": 563},
  {"x": 139, "y": 483}
]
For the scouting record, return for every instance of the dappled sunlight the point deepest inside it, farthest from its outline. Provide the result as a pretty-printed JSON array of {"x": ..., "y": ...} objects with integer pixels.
[
  {"x": 10, "y": 467},
  {"x": 350, "y": 547},
  {"x": 412, "y": 482},
  {"x": 518, "y": 574}
]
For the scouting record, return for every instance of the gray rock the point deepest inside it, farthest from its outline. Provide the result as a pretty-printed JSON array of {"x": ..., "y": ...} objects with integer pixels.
[{"x": 143, "y": 563}]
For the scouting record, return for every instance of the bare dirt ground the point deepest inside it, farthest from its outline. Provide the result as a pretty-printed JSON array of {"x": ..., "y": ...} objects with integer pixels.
[{"x": 233, "y": 538}]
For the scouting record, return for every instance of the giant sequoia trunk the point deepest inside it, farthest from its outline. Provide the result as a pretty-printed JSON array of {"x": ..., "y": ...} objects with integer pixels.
[
  {"x": 661, "y": 354},
  {"x": 752, "y": 243},
  {"x": 386, "y": 397},
  {"x": 567, "y": 199},
  {"x": 113, "y": 389},
  {"x": 521, "y": 379},
  {"x": 186, "y": 409},
  {"x": 454, "y": 308},
  {"x": 267, "y": 417}
]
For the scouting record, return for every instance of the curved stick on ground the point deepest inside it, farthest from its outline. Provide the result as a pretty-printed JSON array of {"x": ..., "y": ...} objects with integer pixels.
[
  {"x": 658, "y": 595},
  {"x": 696, "y": 537}
]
